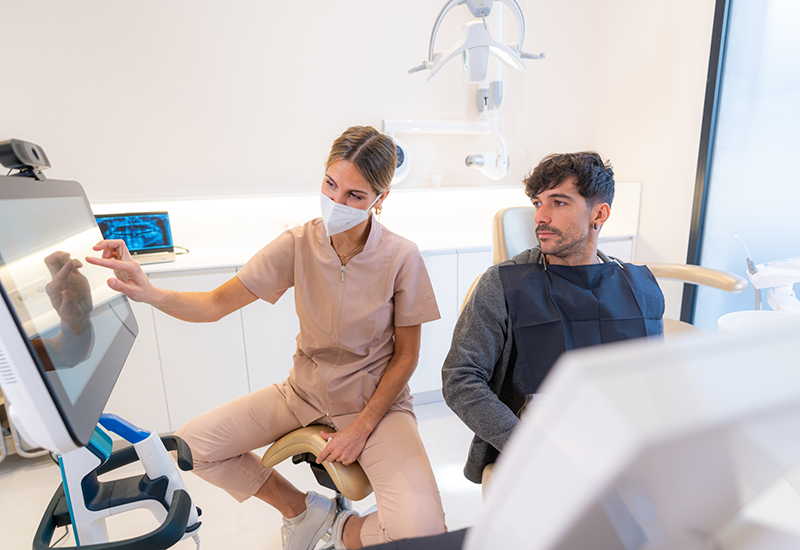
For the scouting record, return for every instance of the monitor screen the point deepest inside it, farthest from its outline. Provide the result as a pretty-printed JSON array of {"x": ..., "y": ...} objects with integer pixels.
[
  {"x": 143, "y": 232},
  {"x": 76, "y": 330}
]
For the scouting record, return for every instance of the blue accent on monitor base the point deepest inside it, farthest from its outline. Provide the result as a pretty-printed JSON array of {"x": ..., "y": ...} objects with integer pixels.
[{"x": 123, "y": 428}]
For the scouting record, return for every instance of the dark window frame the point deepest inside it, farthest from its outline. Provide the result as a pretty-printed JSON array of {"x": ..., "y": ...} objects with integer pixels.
[{"x": 716, "y": 63}]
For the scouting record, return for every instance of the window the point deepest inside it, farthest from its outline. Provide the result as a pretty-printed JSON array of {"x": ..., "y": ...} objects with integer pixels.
[{"x": 752, "y": 186}]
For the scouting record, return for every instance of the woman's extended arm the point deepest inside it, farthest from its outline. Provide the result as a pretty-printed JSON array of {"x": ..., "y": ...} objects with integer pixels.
[
  {"x": 196, "y": 307},
  {"x": 346, "y": 445}
]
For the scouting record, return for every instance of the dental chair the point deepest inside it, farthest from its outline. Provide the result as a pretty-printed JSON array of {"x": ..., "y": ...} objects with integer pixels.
[
  {"x": 304, "y": 445},
  {"x": 514, "y": 231}
]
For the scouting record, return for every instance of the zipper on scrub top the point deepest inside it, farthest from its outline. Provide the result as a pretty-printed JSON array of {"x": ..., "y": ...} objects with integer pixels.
[{"x": 339, "y": 293}]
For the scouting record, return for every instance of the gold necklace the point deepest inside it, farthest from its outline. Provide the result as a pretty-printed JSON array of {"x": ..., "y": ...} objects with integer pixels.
[{"x": 343, "y": 257}]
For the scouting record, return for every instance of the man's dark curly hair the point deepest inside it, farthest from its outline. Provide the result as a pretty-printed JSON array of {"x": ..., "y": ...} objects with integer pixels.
[{"x": 594, "y": 178}]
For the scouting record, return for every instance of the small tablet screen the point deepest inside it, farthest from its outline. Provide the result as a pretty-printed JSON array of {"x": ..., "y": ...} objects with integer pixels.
[{"x": 143, "y": 233}]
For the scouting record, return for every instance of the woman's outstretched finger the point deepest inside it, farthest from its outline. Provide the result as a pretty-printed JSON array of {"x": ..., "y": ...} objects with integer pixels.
[{"x": 113, "y": 263}]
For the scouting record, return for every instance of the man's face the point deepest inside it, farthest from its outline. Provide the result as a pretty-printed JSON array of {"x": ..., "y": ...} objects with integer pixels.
[{"x": 563, "y": 222}]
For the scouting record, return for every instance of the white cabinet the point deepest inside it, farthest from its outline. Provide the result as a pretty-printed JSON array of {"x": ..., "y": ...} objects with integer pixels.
[
  {"x": 203, "y": 363},
  {"x": 177, "y": 370},
  {"x": 269, "y": 340},
  {"x": 139, "y": 395},
  {"x": 451, "y": 275},
  {"x": 436, "y": 335},
  {"x": 620, "y": 248},
  {"x": 470, "y": 265}
]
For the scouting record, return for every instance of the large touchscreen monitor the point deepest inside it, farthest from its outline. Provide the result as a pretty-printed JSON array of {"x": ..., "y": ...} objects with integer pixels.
[{"x": 64, "y": 334}]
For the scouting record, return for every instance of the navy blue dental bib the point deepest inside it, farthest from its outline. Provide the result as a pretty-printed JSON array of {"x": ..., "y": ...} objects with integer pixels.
[{"x": 556, "y": 308}]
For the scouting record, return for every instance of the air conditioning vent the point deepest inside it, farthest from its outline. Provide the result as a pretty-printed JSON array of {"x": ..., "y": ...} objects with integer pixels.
[{"x": 6, "y": 373}]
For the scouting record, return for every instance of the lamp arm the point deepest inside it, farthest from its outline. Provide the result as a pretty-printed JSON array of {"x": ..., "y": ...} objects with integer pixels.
[
  {"x": 447, "y": 7},
  {"x": 511, "y": 4},
  {"x": 517, "y": 11},
  {"x": 496, "y": 133}
]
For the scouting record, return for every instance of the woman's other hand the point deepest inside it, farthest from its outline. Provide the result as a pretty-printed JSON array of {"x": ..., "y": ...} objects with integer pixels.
[
  {"x": 344, "y": 446},
  {"x": 130, "y": 279}
]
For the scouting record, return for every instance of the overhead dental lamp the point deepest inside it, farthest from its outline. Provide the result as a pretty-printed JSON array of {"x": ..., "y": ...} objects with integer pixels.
[
  {"x": 476, "y": 43},
  {"x": 476, "y": 46}
]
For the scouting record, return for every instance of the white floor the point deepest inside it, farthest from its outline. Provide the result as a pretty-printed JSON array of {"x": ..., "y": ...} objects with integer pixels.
[{"x": 26, "y": 486}]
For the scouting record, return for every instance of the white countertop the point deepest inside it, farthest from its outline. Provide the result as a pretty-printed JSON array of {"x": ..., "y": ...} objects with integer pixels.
[{"x": 225, "y": 232}]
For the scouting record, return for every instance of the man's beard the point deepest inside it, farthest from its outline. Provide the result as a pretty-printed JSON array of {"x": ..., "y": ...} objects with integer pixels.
[{"x": 557, "y": 243}]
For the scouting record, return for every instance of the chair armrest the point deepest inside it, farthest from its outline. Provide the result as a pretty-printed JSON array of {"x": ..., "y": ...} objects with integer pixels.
[{"x": 698, "y": 275}]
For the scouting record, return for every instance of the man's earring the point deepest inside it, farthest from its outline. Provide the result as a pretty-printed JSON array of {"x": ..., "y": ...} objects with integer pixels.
[{"x": 595, "y": 227}]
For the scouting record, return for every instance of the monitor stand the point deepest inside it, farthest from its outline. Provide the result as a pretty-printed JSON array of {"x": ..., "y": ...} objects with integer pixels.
[{"x": 85, "y": 501}]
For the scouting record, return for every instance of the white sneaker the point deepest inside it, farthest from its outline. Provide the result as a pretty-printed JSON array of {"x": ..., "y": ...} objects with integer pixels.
[
  {"x": 303, "y": 532},
  {"x": 337, "y": 529}
]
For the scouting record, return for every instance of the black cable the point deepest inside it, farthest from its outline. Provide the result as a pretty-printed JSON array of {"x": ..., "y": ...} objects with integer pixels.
[
  {"x": 181, "y": 253},
  {"x": 62, "y": 536}
]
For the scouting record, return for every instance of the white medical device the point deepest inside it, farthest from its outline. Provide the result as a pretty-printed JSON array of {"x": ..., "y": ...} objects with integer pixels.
[
  {"x": 475, "y": 47},
  {"x": 64, "y": 337},
  {"x": 779, "y": 278},
  {"x": 403, "y": 162},
  {"x": 476, "y": 42},
  {"x": 651, "y": 445}
]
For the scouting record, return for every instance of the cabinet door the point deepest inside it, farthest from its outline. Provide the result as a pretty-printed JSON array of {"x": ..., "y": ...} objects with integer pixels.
[
  {"x": 139, "y": 395},
  {"x": 269, "y": 339},
  {"x": 621, "y": 249},
  {"x": 436, "y": 336},
  {"x": 470, "y": 266},
  {"x": 203, "y": 363}
]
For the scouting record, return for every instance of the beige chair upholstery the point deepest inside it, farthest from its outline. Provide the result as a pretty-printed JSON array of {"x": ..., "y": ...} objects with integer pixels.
[
  {"x": 485, "y": 476},
  {"x": 697, "y": 275},
  {"x": 514, "y": 232},
  {"x": 470, "y": 290},
  {"x": 351, "y": 480}
]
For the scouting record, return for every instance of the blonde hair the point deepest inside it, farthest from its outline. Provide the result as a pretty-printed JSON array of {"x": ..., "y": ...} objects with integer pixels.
[{"x": 372, "y": 153}]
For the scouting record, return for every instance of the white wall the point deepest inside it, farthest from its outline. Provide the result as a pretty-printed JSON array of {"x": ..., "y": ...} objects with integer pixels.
[
  {"x": 150, "y": 99},
  {"x": 147, "y": 99},
  {"x": 650, "y": 61}
]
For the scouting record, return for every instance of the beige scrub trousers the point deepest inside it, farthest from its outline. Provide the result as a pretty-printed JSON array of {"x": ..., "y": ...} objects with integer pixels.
[{"x": 347, "y": 318}]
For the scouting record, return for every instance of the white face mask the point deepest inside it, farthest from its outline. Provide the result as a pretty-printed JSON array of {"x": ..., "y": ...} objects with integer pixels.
[{"x": 340, "y": 217}]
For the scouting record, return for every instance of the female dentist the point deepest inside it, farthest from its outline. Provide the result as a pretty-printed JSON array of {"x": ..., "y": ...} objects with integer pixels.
[{"x": 361, "y": 294}]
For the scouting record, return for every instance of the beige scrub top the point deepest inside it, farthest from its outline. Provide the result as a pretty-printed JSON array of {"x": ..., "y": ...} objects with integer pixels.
[{"x": 347, "y": 314}]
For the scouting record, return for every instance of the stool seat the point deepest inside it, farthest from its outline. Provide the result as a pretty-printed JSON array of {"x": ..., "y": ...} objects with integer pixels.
[{"x": 351, "y": 481}]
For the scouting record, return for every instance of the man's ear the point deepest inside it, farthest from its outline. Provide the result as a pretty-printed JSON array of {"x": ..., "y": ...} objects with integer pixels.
[{"x": 600, "y": 214}]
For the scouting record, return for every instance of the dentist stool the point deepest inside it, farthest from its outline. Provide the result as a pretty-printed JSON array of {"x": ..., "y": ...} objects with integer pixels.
[{"x": 304, "y": 445}]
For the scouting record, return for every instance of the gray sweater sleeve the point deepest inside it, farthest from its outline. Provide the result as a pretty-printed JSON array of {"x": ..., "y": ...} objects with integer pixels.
[{"x": 475, "y": 366}]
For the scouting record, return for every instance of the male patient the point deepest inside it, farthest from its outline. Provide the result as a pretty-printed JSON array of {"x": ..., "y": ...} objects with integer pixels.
[{"x": 525, "y": 312}]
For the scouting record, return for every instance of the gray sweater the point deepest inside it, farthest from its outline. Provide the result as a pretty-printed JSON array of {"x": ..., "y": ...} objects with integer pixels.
[{"x": 477, "y": 363}]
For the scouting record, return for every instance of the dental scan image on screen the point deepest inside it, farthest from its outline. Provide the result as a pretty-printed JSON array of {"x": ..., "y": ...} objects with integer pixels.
[
  {"x": 148, "y": 232},
  {"x": 66, "y": 310}
]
